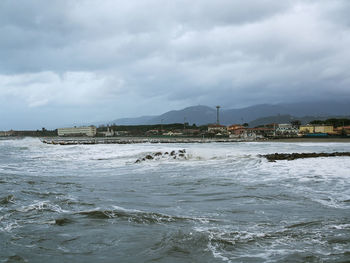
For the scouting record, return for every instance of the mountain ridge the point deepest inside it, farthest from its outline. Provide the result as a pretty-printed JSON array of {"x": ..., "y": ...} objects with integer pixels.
[{"x": 202, "y": 114}]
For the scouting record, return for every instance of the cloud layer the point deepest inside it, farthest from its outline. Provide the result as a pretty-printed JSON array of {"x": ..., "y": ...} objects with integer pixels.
[{"x": 105, "y": 60}]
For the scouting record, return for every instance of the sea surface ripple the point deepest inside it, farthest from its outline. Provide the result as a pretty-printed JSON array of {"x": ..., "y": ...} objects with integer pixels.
[{"x": 221, "y": 203}]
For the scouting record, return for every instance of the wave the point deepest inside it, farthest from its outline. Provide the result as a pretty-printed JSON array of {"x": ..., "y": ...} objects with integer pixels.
[
  {"x": 42, "y": 194},
  {"x": 7, "y": 199},
  {"x": 206, "y": 242},
  {"x": 8, "y": 226},
  {"x": 41, "y": 206},
  {"x": 137, "y": 216},
  {"x": 264, "y": 243},
  {"x": 304, "y": 224}
]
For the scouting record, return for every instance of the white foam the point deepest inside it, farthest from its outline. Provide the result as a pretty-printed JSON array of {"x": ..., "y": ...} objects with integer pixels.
[
  {"x": 40, "y": 206},
  {"x": 9, "y": 226}
]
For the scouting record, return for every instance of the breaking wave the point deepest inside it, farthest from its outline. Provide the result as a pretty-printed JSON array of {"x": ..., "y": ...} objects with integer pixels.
[
  {"x": 137, "y": 216},
  {"x": 41, "y": 206}
]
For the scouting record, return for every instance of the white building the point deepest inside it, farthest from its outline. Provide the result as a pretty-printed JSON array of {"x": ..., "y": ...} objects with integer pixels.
[
  {"x": 108, "y": 133},
  {"x": 6, "y": 133},
  {"x": 286, "y": 129},
  {"x": 217, "y": 128},
  {"x": 77, "y": 131}
]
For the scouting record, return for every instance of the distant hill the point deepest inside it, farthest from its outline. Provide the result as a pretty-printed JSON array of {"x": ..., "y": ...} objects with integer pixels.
[
  {"x": 195, "y": 114},
  {"x": 143, "y": 120},
  {"x": 289, "y": 118},
  {"x": 202, "y": 115}
]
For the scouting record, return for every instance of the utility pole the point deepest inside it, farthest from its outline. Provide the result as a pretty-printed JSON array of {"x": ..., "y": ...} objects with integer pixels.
[{"x": 217, "y": 115}]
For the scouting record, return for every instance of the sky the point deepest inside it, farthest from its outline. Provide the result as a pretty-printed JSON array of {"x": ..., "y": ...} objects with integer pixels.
[{"x": 66, "y": 62}]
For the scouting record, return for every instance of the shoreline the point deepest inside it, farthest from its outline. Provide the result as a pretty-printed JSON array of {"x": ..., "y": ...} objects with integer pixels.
[
  {"x": 316, "y": 140},
  {"x": 137, "y": 140}
]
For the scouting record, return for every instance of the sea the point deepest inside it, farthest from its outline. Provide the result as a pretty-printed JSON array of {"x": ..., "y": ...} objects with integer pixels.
[{"x": 210, "y": 202}]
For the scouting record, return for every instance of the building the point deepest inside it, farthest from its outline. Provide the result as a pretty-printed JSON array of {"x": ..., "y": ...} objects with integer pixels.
[
  {"x": 287, "y": 130},
  {"x": 217, "y": 128},
  {"x": 152, "y": 132},
  {"x": 78, "y": 131},
  {"x": 173, "y": 133},
  {"x": 238, "y": 133},
  {"x": 121, "y": 133},
  {"x": 234, "y": 127},
  {"x": 108, "y": 133},
  {"x": 316, "y": 129},
  {"x": 7, "y": 133},
  {"x": 343, "y": 130},
  {"x": 262, "y": 132},
  {"x": 191, "y": 132}
]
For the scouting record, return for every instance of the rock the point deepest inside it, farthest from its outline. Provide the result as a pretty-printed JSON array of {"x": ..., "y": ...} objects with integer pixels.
[
  {"x": 158, "y": 154},
  {"x": 292, "y": 156},
  {"x": 172, "y": 153},
  {"x": 15, "y": 258},
  {"x": 182, "y": 151},
  {"x": 62, "y": 221},
  {"x": 149, "y": 157},
  {"x": 8, "y": 199},
  {"x": 138, "y": 161}
]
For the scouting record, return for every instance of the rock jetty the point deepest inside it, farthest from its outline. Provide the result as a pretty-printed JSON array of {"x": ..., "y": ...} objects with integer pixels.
[
  {"x": 132, "y": 140},
  {"x": 292, "y": 156},
  {"x": 180, "y": 154}
]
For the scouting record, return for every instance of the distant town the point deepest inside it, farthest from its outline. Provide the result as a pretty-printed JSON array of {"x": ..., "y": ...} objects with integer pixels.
[{"x": 339, "y": 128}]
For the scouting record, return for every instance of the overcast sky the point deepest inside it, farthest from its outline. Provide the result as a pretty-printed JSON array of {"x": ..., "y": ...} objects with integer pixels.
[{"x": 68, "y": 62}]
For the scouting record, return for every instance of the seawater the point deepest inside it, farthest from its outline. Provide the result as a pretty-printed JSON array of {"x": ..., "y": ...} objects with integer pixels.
[{"x": 224, "y": 203}]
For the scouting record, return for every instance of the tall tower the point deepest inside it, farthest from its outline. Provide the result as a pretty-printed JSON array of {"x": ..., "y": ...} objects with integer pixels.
[{"x": 217, "y": 115}]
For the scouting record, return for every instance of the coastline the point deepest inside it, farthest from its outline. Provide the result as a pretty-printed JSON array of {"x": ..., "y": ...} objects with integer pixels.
[
  {"x": 136, "y": 140},
  {"x": 316, "y": 140}
]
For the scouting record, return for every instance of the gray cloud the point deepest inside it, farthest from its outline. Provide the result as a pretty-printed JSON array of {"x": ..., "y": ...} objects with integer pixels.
[{"x": 111, "y": 59}]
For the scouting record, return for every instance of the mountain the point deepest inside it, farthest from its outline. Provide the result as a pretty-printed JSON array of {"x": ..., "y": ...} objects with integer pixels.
[
  {"x": 317, "y": 109},
  {"x": 195, "y": 114},
  {"x": 143, "y": 120},
  {"x": 202, "y": 115},
  {"x": 289, "y": 118}
]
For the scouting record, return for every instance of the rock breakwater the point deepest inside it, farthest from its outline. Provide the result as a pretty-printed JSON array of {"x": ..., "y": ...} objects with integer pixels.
[
  {"x": 180, "y": 154},
  {"x": 292, "y": 156},
  {"x": 131, "y": 140}
]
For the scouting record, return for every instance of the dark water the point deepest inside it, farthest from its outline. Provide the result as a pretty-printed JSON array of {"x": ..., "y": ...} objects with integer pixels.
[{"x": 223, "y": 203}]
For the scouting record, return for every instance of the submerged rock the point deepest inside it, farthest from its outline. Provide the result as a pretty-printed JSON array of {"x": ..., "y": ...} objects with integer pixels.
[
  {"x": 62, "y": 221},
  {"x": 8, "y": 199},
  {"x": 16, "y": 258}
]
